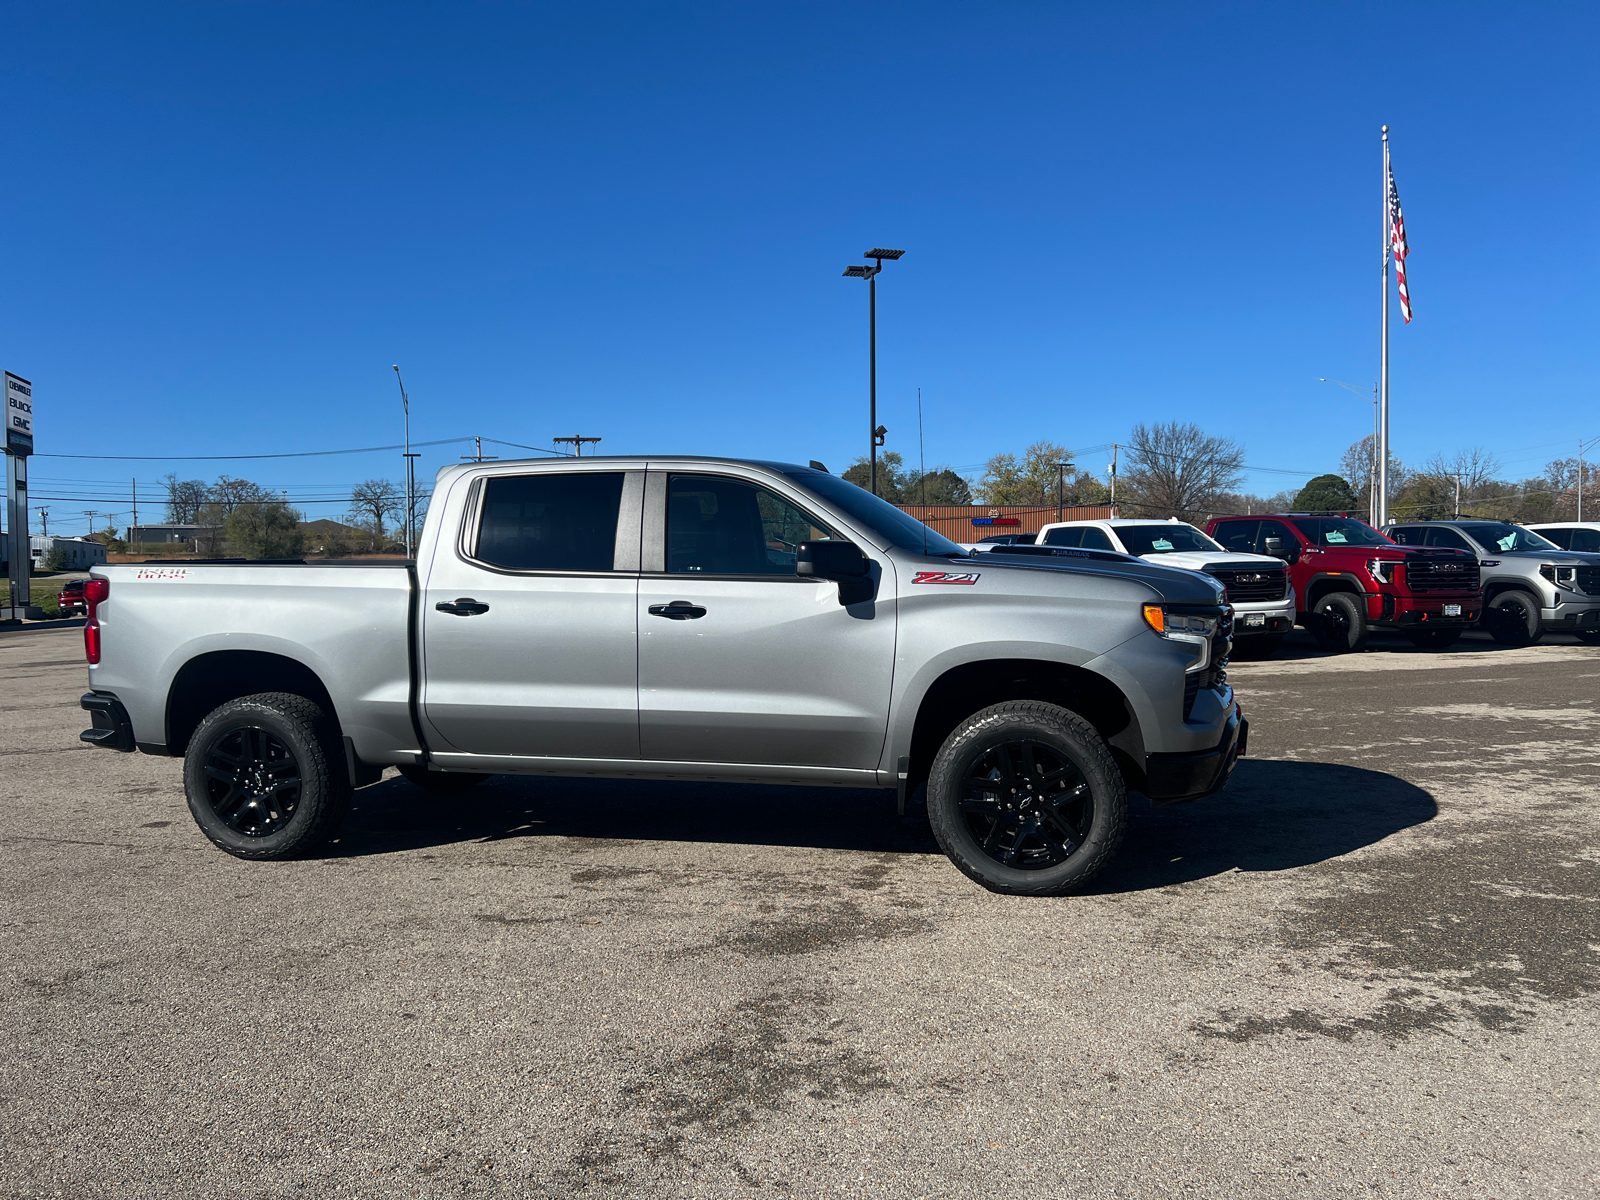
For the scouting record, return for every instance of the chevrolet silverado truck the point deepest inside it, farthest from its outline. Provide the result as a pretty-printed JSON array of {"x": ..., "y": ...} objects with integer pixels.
[
  {"x": 1531, "y": 586},
  {"x": 1351, "y": 579},
  {"x": 1258, "y": 586},
  {"x": 677, "y": 618}
]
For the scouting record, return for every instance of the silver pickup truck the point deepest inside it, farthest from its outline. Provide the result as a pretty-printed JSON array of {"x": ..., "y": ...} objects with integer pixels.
[{"x": 678, "y": 618}]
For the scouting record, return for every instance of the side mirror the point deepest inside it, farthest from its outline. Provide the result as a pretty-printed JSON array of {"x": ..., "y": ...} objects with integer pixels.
[
  {"x": 1275, "y": 550},
  {"x": 841, "y": 561}
]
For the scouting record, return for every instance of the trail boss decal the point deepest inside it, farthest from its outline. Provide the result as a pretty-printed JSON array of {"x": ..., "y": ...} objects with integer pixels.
[{"x": 946, "y": 577}]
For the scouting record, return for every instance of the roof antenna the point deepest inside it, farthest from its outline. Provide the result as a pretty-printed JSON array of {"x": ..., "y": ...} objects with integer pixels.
[{"x": 922, "y": 470}]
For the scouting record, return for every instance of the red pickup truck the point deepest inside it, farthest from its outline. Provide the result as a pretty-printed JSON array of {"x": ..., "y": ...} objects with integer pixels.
[{"x": 1349, "y": 579}]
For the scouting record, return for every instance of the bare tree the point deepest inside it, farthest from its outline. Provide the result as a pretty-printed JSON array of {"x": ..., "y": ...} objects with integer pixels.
[
  {"x": 227, "y": 494},
  {"x": 1179, "y": 470},
  {"x": 374, "y": 500},
  {"x": 185, "y": 499}
]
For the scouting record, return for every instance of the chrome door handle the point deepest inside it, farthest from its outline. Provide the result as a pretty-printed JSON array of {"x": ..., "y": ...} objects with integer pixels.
[
  {"x": 678, "y": 610},
  {"x": 464, "y": 607}
]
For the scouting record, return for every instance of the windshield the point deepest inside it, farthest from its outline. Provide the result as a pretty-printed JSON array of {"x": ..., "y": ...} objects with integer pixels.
[
  {"x": 879, "y": 516},
  {"x": 1492, "y": 535},
  {"x": 1164, "y": 539},
  {"x": 1339, "y": 531}
]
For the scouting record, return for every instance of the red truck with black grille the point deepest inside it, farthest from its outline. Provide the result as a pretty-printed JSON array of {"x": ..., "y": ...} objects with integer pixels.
[{"x": 1349, "y": 578}]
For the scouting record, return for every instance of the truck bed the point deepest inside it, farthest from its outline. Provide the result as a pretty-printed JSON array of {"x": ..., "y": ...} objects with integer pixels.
[{"x": 349, "y": 624}]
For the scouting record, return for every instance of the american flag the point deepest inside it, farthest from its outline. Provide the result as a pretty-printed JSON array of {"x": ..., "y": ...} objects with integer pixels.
[{"x": 1397, "y": 243}]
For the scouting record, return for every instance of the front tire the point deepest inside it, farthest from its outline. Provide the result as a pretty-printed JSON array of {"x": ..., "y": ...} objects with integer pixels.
[
  {"x": 1339, "y": 623},
  {"x": 1513, "y": 619},
  {"x": 265, "y": 776},
  {"x": 1025, "y": 799},
  {"x": 1433, "y": 639}
]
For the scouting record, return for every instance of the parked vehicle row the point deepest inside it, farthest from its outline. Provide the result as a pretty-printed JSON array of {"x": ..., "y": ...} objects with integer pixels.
[
  {"x": 1341, "y": 579},
  {"x": 681, "y": 618}
]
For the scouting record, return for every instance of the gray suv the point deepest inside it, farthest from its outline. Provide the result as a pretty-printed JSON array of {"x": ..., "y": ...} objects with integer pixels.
[{"x": 1531, "y": 586}]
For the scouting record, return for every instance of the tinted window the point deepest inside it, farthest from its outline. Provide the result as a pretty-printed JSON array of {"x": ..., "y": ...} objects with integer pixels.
[
  {"x": 1164, "y": 539},
  {"x": 1409, "y": 535},
  {"x": 1447, "y": 539},
  {"x": 1095, "y": 539},
  {"x": 1070, "y": 535},
  {"x": 1506, "y": 538},
  {"x": 720, "y": 526},
  {"x": 875, "y": 514},
  {"x": 1239, "y": 536},
  {"x": 1585, "y": 539},
  {"x": 1339, "y": 531},
  {"x": 551, "y": 522},
  {"x": 1563, "y": 537},
  {"x": 1275, "y": 529}
]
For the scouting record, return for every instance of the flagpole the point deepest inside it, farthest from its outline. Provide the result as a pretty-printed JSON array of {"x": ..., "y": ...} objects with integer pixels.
[{"x": 1383, "y": 378}]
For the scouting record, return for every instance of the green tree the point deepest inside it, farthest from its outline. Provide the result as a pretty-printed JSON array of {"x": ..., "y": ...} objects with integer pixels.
[
  {"x": 891, "y": 475},
  {"x": 938, "y": 486},
  {"x": 1032, "y": 480},
  {"x": 1327, "y": 494},
  {"x": 264, "y": 529},
  {"x": 55, "y": 561}
]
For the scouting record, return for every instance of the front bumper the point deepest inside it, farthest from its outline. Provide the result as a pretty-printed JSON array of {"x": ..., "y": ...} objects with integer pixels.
[
  {"x": 1256, "y": 617},
  {"x": 109, "y": 722},
  {"x": 1173, "y": 778},
  {"x": 1568, "y": 616},
  {"x": 1412, "y": 612}
]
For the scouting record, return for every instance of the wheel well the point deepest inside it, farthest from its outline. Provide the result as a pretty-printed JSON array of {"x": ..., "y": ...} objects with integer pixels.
[
  {"x": 964, "y": 690},
  {"x": 211, "y": 680},
  {"x": 1510, "y": 585},
  {"x": 1321, "y": 587}
]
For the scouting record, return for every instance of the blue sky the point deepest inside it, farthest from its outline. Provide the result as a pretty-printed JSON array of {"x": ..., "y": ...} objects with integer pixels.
[{"x": 223, "y": 223}]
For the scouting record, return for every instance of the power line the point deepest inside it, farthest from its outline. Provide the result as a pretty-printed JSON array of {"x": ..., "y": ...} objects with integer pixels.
[{"x": 245, "y": 457}]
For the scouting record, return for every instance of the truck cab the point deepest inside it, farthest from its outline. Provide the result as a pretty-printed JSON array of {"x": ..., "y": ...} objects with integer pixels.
[{"x": 1351, "y": 579}]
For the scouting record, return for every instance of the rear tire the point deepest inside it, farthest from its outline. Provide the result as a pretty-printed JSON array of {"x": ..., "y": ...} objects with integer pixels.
[
  {"x": 1025, "y": 799},
  {"x": 1339, "y": 623},
  {"x": 1433, "y": 639},
  {"x": 265, "y": 776},
  {"x": 443, "y": 781},
  {"x": 1513, "y": 619}
]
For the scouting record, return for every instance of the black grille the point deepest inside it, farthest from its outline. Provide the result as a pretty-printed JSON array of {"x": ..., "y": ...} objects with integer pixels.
[
  {"x": 1251, "y": 583},
  {"x": 1442, "y": 574},
  {"x": 1589, "y": 580},
  {"x": 1214, "y": 676}
]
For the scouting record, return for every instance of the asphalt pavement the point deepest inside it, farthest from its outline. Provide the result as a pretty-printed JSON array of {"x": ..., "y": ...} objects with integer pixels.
[{"x": 1368, "y": 967}]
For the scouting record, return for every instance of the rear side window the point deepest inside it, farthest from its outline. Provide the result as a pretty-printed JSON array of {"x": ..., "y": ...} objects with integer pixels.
[
  {"x": 1584, "y": 539},
  {"x": 1563, "y": 538},
  {"x": 1238, "y": 536},
  {"x": 1072, "y": 535},
  {"x": 1447, "y": 538},
  {"x": 1409, "y": 537},
  {"x": 551, "y": 522},
  {"x": 721, "y": 526}
]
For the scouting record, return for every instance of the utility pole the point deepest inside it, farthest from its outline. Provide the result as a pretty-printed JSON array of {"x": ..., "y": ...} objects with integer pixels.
[
  {"x": 1458, "y": 495},
  {"x": 411, "y": 488},
  {"x": 135, "y": 502},
  {"x": 44, "y": 521},
  {"x": 1113, "y": 479},
  {"x": 877, "y": 433},
  {"x": 478, "y": 456},
  {"x": 577, "y": 443},
  {"x": 1061, "y": 490},
  {"x": 91, "y": 513},
  {"x": 1582, "y": 446}
]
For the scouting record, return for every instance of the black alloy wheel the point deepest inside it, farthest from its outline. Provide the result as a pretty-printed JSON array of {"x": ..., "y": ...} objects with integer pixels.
[
  {"x": 1026, "y": 799},
  {"x": 1026, "y": 804},
  {"x": 252, "y": 781},
  {"x": 1339, "y": 623},
  {"x": 266, "y": 776},
  {"x": 1513, "y": 619}
]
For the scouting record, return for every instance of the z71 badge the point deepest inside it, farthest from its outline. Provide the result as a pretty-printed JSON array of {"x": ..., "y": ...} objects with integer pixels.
[{"x": 945, "y": 577}]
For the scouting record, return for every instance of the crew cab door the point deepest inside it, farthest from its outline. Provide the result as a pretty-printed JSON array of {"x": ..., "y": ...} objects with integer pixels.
[
  {"x": 528, "y": 627},
  {"x": 740, "y": 659}
]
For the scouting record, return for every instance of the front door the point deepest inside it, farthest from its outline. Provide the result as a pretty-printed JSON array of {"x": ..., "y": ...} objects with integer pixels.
[
  {"x": 529, "y": 640},
  {"x": 740, "y": 659}
]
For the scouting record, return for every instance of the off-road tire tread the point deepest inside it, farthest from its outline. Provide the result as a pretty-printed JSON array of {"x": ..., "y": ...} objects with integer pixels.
[
  {"x": 1497, "y": 627},
  {"x": 327, "y": 770},
  {"x": 1329, "y": 644},
  {"x": 1091, "y": 745}
]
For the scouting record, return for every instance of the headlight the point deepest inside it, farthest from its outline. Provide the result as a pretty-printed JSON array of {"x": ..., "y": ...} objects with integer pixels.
[
  {"x": 1562, "y": 577},
  {"x": 1195, "y": 628},
  {"x": 1382, "y": 569}
]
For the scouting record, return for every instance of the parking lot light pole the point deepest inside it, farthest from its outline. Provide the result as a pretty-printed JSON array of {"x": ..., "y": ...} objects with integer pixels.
[
  {"x": 1372, "y": 487},
  {"x": 1582, "y": 446},
  {"x": 877, "y": 432}
]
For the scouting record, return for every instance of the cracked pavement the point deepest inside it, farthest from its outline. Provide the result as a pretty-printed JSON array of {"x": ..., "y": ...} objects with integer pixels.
[{"x": 1367, "y": 967}]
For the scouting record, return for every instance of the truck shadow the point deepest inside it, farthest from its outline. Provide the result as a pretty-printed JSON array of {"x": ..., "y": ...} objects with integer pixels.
[{"x": 1273, "y": 816}]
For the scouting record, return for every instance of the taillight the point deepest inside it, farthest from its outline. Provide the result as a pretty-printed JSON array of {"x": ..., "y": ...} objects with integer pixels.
[{"x": 95, "y": 591}]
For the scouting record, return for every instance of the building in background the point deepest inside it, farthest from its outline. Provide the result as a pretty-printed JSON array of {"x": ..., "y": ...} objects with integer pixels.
[
  {"x": 974, "y": 522},
  {"x": 80, "y": 553},
  {"x": 152, "y": 535}
]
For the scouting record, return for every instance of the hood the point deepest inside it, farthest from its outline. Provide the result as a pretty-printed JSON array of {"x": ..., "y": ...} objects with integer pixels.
[
  {"x": 1175, "y": 585},
  {"x": 1566, "y": 558},
  {"x": 1199, "y": 560}
]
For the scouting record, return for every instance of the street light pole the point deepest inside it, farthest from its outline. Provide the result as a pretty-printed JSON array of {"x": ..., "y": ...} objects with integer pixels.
[
  {"x": 405, "y": 403},
  {"x": 1582, "y": 446},
  {"x": 876, "y": 432}
]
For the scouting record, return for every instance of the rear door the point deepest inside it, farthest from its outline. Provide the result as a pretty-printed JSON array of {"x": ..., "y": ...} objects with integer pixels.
[
  {"x": 529, "y": 637},
  {"x": 740, "y": 659}
]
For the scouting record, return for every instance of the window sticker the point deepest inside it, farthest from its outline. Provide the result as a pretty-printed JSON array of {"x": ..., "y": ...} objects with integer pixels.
[
  {"x": 1506, "y": 543},
  {"x": 1161, "y": 544},
  {"x": 1335, "y": 538}
]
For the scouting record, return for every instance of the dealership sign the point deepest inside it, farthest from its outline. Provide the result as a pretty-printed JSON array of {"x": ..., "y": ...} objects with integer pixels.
[
  {"x": 997, "y": 520},
  {"x": 19, "y": 415}
]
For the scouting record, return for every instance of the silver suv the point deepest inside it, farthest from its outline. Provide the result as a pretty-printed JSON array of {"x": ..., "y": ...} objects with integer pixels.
[{"x": 1531, "y": 586}]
